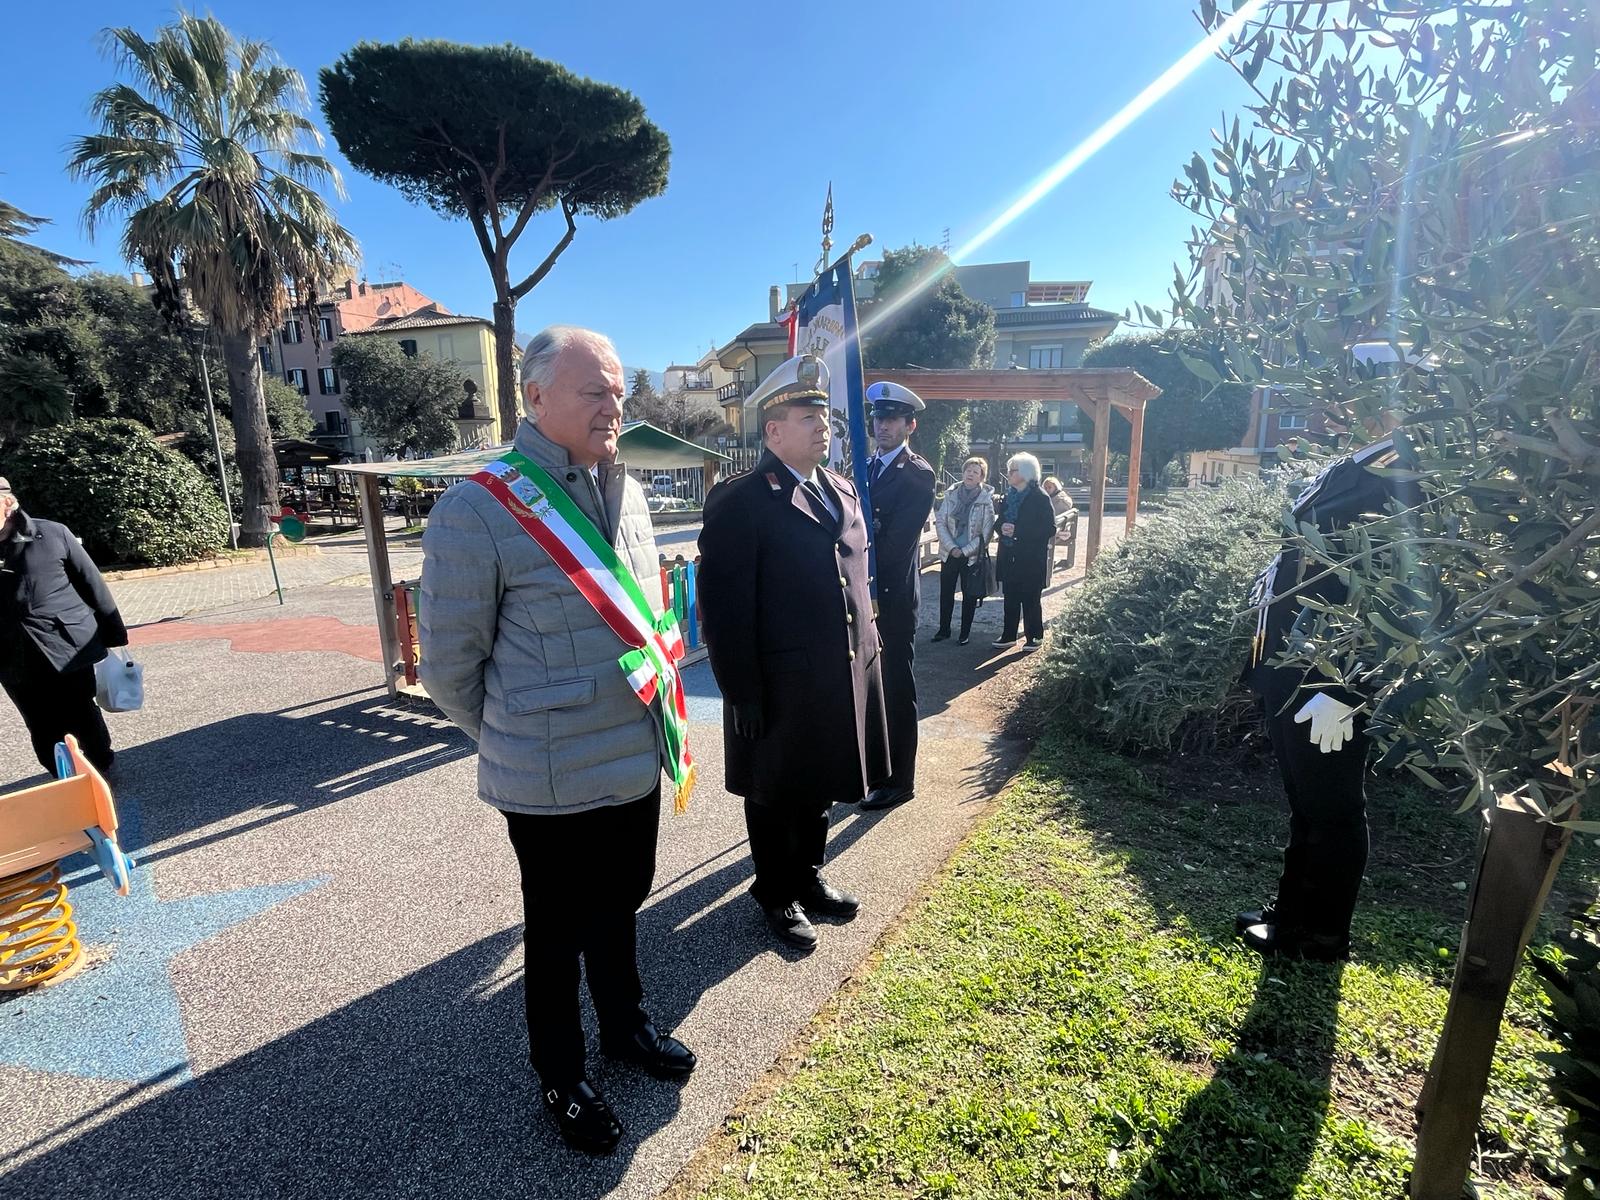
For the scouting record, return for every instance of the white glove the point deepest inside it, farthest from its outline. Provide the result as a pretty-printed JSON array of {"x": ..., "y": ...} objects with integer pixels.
[{"x": 1332, "y": 723}]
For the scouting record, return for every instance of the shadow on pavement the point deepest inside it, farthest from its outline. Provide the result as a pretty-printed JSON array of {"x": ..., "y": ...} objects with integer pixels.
[
  {"x": 1253, "y": 1129},
  {"x": 275, "y": 764},
  {"x": 693, "y": 939},
  {"x": 421, "y": 1088}
]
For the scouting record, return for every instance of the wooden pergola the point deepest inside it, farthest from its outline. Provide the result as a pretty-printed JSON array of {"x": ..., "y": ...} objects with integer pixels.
[
  {"x": 1095, "y": 392},
  {"x": 639, "y": 446}
]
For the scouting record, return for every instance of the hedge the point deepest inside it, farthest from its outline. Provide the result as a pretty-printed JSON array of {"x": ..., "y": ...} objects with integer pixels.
[
  {"x": 1146, "y": 655},
  {"x": 130, "y": 500}
]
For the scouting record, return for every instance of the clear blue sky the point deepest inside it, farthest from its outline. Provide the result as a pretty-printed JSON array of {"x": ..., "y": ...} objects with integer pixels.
[{"x": 926, "y": 116}]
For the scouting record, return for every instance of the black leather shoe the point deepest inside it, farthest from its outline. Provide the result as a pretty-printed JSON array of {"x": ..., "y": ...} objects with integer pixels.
[
  {"x": 1265, "y": 915},
  {"x": 884, "y": 797},
  {"x": 1272, "y": 941},
  {"x": 792, "y": 925},
  {"x": 658, "y": 1054},
  {"x": 964, "y": 639},
  {"x": 826, "y": 900},
  {"x": 942, "y": 636},
  {"x": 583, "y": 1117}
]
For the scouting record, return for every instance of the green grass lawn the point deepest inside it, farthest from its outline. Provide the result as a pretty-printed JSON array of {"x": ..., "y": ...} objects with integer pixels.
[{"x": 1067, "y": 1013}]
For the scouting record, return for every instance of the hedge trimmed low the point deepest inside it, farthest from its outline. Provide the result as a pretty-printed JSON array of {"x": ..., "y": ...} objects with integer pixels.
[{"x": 1146, "y": 654}]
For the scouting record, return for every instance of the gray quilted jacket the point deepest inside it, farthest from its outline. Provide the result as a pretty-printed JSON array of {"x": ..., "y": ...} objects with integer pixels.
[{"x": 515, "y": 656}]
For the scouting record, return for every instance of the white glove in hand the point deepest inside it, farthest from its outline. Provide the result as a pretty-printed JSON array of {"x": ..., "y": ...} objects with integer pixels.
[{"x": 1332, "y": 723}]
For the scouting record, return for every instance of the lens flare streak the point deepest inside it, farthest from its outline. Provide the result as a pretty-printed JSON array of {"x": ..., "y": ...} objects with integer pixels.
[{"x": 1130, "y": 112}]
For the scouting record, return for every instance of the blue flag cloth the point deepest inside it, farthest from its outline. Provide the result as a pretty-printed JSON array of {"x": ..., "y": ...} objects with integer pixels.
[{"x": 825, "y": 325}]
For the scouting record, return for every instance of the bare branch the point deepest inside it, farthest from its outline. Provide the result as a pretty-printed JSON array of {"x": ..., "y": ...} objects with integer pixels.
[{"x": 528, "y": 284}]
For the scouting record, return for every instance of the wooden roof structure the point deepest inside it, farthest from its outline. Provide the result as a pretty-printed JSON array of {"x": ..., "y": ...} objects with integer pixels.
[{"x": 1097, "y": 392}]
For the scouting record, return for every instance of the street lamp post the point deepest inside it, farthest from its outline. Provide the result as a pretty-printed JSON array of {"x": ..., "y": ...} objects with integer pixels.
[
  {"x": 738, "y": 389},
  {"x": 216, "y": 445}
]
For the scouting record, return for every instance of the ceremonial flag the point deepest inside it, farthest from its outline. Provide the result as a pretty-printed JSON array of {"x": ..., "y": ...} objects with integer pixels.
[{"x": 825, "y": 325}]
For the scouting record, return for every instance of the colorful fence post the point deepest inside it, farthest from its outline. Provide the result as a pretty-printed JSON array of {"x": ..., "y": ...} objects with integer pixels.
[
  {"x": 405, "y": 609},
  {"x": 692, "y": 606},
  {"x": 680, "y": 592}
]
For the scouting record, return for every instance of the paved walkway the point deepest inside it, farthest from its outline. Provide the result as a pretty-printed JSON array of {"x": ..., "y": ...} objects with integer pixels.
[
  {"x": 342, "y": 561},
  {"x": 316, "y": 985}
]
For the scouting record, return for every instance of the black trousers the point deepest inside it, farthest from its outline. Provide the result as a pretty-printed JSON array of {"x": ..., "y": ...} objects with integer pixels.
[
  {"x": 1327, "y": 851},
  {"x": 1026, "y": 603},
  {"x": 962, "y": 572},
  {"x": 787, "y": 843},
  {"x": 584, "y": 876},
  {"x": 897, "y": 625},
  {"x": 55, "y": 703}
]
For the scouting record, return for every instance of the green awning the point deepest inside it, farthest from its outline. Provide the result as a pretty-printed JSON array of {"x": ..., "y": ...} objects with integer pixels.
[{"x": 640, "y": 446}]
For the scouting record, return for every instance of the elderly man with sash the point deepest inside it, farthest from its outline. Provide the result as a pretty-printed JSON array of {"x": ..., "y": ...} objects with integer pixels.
[{"x": 543, "y": 638}]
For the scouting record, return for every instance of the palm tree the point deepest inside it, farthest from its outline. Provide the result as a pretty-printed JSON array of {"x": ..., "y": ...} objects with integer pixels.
[
  {"x": 211, "y": 158},
  {"x": 16, "y": 225}
]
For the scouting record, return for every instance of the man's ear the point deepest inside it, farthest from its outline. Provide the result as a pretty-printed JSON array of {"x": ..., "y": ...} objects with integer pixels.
[
  {"x": 530, "y": 397},
  {"x": 911, "y": 426}
]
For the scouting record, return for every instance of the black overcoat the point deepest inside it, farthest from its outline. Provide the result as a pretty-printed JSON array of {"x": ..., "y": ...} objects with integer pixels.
[
  {"x": 1024, "y": 562},
  {"x": 52, "y": 593},
  {"x": 1342, "y": 493},
  {"x": 902, "y": 498},
  {"x": 787, "y": 613}
]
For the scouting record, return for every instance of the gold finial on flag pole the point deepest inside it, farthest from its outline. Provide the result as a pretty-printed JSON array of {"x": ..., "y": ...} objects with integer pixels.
[{"x": 827, "y": 231}]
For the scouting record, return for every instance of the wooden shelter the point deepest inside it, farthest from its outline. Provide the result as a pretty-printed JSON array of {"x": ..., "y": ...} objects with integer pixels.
[
  {"x": 1096, "y": 392},
  {"x": 640, "y": 446}
]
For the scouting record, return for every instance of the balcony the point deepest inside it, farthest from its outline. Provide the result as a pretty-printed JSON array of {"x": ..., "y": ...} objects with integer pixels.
[{"x": 732, "y": 393}]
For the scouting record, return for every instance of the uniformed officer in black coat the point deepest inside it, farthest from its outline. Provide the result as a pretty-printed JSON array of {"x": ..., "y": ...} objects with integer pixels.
[
  {"x": 787, "y": 611},
  {"x": 57, "y": 617},
  {"x": 1318, "y": 731},
  {"x": 900, "y": 483}
]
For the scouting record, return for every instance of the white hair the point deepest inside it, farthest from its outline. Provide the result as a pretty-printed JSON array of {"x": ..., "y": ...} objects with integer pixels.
[
  {"x": 539, "y": 359},
  {"x": 1025, "y": 465}
]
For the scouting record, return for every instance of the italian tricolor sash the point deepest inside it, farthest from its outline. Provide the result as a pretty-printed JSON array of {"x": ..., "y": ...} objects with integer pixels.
[{"x": 550, "y": 517}]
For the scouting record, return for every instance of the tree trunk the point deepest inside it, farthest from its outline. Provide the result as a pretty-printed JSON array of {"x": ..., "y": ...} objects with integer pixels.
[
  {"x": 258, "y": 468},
  {"x": 505, "y": 341}
]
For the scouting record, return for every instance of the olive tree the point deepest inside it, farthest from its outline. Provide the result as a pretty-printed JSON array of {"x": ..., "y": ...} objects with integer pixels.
[
  {"x": 1430, "y": 182},
  {"x": 1406, "y": 236}
]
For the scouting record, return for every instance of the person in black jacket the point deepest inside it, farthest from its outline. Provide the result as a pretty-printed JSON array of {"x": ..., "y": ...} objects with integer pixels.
[
  {"x": 787, "y": 612},
  {"x": 901, "y": 490},
  {"x": 57, "y": 618},
  {"x": 1027, "y": 523},
  {"x": 1317, "y": 731}
]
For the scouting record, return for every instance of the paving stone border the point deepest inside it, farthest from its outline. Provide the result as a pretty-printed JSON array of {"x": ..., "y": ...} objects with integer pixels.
[{"x": 211, "y": 564}]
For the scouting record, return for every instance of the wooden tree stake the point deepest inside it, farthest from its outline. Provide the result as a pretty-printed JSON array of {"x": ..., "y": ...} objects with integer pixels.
[{"x": 1518, "y": 853}]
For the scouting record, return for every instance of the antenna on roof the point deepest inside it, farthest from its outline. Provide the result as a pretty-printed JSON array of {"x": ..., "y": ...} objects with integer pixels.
[{"x": 944, "y": 242}]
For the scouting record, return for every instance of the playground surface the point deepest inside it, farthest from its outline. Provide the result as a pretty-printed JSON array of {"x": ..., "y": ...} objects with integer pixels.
[{"x": 315, "y": 986}]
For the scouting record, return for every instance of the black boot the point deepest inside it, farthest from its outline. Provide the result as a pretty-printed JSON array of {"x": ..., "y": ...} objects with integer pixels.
[
  {"x": 792, "y": 925},
  {"x": 1267, "y": 914},
  {"x": 1278, "y": 941},
  {"x": 887, "y": 797},
  {"x": 655, "y": 1052},
  {"x": 826, "y": 900},
  {"x": 583, "y": 1117}
]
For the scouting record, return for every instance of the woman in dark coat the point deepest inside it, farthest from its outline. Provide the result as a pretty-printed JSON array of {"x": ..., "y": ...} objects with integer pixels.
[{"x": 1027, "y": 523}]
